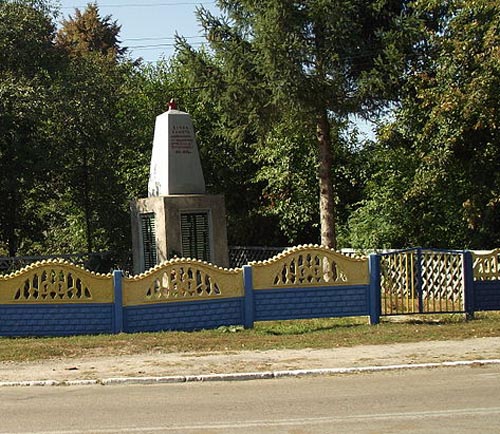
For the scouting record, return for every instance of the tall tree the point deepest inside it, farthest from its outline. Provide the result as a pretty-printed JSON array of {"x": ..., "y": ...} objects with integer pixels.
[
  {"x": 89, "y": 94},
  {"x": 227, "y": 145},
  {"x": 437, "y": 163},
  {"x": 28, "y": 61},
  {"x": 26, "y": 37},
  {"x": 87, "y": 32},
  {"x": 307, "y": 60}
]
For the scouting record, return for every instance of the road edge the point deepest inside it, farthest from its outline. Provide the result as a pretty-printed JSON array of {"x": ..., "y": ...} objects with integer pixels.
[{"x": 246, "y": 376}]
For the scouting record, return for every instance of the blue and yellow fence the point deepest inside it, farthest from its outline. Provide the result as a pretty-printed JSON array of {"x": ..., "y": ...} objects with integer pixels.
[
  {"x": 56, "y": 298},
  {"x": 310, "y": 282},
  {"x": 485, "y": 280},
  {"x": 59, "y": 298},
  {"x": 183, "y": 295}
]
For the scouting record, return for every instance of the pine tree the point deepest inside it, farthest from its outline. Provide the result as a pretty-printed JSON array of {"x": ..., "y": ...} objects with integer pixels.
[
  {"x": 88, "y": 32},
  {"x": 306, "y": 61}
]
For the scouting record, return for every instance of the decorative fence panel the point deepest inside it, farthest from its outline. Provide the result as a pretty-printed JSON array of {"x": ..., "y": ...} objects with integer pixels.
[
  {"x": 310, "y": 282},
  {"x": 183, "y": 295},
  {"x": 486, "y": 267},
  {"x": 56, "y": 298},
  {"x": 417, "y": 281}
]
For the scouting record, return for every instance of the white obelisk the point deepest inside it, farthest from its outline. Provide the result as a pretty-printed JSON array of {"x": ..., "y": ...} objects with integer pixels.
[{"x": 175, "y": 161}]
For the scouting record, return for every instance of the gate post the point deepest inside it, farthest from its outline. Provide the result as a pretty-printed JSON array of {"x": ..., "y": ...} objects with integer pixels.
[
  {"x": 249, "y": 308},
  {"x": 374, "y": 288},
  {"x": 118, "y": 301},
  {"x": 468, "y": 282}
]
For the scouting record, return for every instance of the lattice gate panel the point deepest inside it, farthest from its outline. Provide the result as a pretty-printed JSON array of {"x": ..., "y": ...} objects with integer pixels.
[
  {"x": 421, "y": 281},
  {"x": 399, "y": 283},
  {"x": 442, "y": 282}
]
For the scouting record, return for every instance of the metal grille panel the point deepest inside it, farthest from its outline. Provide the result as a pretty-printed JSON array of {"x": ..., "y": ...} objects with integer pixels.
[
  {"x": 148, "y": 229},
  {"x": 195, "y": 236}
]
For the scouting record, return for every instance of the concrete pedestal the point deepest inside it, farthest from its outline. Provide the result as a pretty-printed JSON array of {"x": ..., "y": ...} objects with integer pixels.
[{"x": 164, "y": 227}]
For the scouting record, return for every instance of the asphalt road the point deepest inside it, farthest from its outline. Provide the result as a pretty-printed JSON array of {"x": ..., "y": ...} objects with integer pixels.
[{"x": 445, "y": 400}]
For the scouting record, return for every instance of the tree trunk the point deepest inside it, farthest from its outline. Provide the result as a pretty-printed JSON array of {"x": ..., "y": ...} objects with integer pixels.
[
  {"x": 326, "y": 187},
  {"x": 12, "y": 201},
  {"x": 325, "y": 156},
  {"x": 12, "y": 239},
  {"x": 86, "y": 198}
]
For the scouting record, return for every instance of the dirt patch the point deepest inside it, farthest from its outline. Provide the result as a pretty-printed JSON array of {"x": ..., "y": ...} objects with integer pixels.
[{"x": 167, "y": 364}]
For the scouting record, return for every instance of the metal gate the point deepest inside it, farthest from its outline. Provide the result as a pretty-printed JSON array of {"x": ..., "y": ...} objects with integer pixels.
[{"x": 418, "y": 281}]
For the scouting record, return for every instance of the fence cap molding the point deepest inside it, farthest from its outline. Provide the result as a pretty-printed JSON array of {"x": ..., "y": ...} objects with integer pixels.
[
  {"x": 56, "y": 261},
  {"x": 182, "y": 279},
  {"x": 302, "y": 247},
  {"x": 184, "y": 261},
  {"x": 486, "y": 252},
  {"x": 55, "y": 281},
  {"x": 330, "y": 268}
]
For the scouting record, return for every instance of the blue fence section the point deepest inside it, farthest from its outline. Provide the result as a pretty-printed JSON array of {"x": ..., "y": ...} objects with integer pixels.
[
  {"x": 56, "y": 319},
  {"x": 374, "y": 290},
  {"x": 191, "y": 315},
  {"x": 484, "y": 291},
  {"x": 301, "y": 303},
  {"x": 486, "y": 295}
]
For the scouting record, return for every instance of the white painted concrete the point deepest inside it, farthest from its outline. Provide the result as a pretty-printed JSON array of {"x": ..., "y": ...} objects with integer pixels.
[{"x": 175, "y": 161}]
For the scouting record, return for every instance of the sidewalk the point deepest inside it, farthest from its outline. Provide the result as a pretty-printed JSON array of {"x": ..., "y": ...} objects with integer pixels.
[{"x": 177, "y": 367}]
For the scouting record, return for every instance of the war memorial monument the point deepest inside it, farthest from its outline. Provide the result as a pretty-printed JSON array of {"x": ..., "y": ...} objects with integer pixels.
[{"x": 178, "y": 218}]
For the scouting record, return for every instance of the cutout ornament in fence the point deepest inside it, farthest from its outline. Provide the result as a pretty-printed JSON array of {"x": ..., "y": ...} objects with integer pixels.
[
  {"x": 55, "y": 281},
  {"x": 308, "y": 266},
  {"x": 182, "y": 280},
  {"x": 53, "y": 284},
  {"x": 487, "y": 265}
]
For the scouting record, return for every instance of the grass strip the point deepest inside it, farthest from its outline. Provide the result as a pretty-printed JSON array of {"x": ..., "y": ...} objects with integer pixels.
[{"x": 296, "y": 334}]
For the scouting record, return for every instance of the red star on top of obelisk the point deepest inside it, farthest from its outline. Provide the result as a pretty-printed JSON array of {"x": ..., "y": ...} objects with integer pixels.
[{"x": 172, "y": 105}]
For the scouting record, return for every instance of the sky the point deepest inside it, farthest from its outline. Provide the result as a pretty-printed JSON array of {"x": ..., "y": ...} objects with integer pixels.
[{"x": 148, "y": 27}]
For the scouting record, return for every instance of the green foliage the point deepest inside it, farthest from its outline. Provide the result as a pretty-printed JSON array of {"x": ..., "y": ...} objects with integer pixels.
[
  {"x": 20, "y": 153},
  {"x": 86, "y": 139},
  {"x": 27, "y": 58},
  {"x": 384, "y": 216},
  {"x": 61, "y": 172},
  {"x": 295, "y": 71},
  {"x": 88, "y": 136},
  {"x": 227, "y": 139},
  {"x": 286, "y": 164},
  {"x": 26, "y": 35},
  {"x": 440, "y": 182},
  {"x": 270, "y": 98}
]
